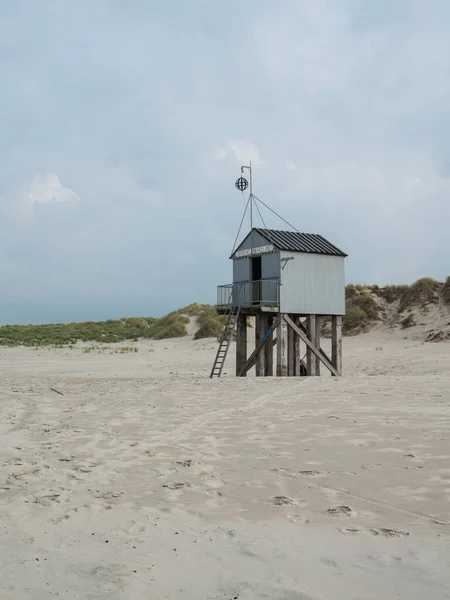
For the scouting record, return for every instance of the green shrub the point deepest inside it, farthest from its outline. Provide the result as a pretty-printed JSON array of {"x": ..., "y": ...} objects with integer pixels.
[
  {"x": 355, "y": 318},
  {"x": 136, "y": 323},
  {"x": 364, "y": 301},
  {"x": 210, "y": 323},
  {"x": 361, "y": 308},
  {"x": 209, "y": 328},
  {"x": 171, "y": 326},
  {"x": 352, "y": 290}
]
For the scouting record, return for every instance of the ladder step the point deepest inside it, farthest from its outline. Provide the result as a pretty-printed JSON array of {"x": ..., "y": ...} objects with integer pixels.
[{"x": 225, "y": 340}]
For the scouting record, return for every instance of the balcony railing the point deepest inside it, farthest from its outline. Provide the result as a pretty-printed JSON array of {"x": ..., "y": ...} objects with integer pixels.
[{"x": 264, "y": 292}]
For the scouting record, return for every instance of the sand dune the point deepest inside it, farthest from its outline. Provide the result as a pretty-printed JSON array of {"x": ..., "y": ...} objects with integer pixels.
[{"x": 146, "y": 479}]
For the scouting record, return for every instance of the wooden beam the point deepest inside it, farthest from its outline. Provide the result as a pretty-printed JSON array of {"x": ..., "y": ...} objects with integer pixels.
[
  {"x": 282, "y": 348},
  {"x": 319, "y": 353},
  {"x": 311, "y": 359},
  {"x": 241, "y": 343},
  {"x": 317, "y": 343},
  {"x": 260, "y": 330},
  {"x": 291, "y": 338},
  {"x": 336, "y": 343},
  {"x": 297, "y": 356},
  {"x": 268, "y": 348},
  {"x": 251, "y": 361}
]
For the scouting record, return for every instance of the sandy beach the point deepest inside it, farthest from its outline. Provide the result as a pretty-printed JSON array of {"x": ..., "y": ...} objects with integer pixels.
[{"x": 147, "y": 480}]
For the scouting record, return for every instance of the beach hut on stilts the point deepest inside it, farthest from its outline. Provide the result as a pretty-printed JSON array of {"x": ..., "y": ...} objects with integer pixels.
[{"x": 289, "y": 282}]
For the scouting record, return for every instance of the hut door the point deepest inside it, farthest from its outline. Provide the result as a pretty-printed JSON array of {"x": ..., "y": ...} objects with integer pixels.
[{"x": 256, "y": 279}]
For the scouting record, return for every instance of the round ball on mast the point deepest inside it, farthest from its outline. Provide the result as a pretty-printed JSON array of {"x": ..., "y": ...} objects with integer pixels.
[{"x": 241, "y": 184}]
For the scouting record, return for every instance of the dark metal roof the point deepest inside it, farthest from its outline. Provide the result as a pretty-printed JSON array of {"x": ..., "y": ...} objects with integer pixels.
[{"x": 293, "y": 241}]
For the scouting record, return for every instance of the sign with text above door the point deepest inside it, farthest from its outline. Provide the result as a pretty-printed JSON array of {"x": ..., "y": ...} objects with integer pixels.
[{"x": 255, "y": 251}]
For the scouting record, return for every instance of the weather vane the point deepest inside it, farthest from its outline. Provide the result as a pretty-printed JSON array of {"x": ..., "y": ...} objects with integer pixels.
[{"x": 242, "y": 183}]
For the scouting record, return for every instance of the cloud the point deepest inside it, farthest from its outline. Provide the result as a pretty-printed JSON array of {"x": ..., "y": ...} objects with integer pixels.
[
  {"x": 43, "y": 190},
  {"x": 48, "y": 189},
  {"x": 243, "y": 151}
]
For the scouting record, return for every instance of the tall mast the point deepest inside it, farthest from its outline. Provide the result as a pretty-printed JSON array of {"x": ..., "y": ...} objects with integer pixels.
[{"x": 249, "y": 169}]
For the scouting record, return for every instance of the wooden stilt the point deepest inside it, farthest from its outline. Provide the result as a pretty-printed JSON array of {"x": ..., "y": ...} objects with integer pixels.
[
  {"x": 317, "y": 343},
  {"x": 282, "y": 349},
  {"x": 252, "y": 359},
  {"x": 297, "y": 356},
  {"x": 301, "y": 331},
  {"x": 260, "y": 331},
  {"x": 268, "y": 349},
  {"x": 291, "y": 337},
  {"x": 310, "y": 357},
  {"x": 291, "y": 334},
  {"x": 241, "y": 344},
  {"x": 336, "y": 343}
]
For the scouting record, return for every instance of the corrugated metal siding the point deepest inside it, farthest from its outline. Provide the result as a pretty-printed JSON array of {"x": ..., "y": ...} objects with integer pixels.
[
  {"x": 270, "y": 264},
  {"x": 312, "y": 284},
  {"x": 241, "y": 269}
]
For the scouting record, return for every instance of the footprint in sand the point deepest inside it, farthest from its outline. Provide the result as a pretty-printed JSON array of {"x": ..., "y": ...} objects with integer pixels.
[
  {"x": 282, "y": 501},
  {"x": 107, "y": 495},
  {"x": 64, "y": 517},
  {"x": 85, "y": 468},
  {"x": 341, "y": 511},
  {"x": 384, "y": 560},
  {"x": 298, "y": 519},
  {"x": 329, "y": 562},
  {"x": 389, "y": 532},
  {"x": 185, "y": 463},
  {"x": 48, "y": 499},
  {"x": 383, "y": 531},
  {"x": 285, "y": 473},
  {"x": 177, "y": 486}
]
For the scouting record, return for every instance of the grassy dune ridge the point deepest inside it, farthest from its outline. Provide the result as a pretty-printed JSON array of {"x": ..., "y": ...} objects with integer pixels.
[
  {"x": 112, "y": 331},
  {"x": 365, "y": 306}
]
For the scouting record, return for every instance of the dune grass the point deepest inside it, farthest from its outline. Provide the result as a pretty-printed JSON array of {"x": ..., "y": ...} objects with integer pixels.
[
  {"x": 209, "y": 323},
  {"x": 172, "y": 325},
  {"x": 446, "y": 292},
  {"x": 422, "y": 292},
  {"x": 362, "y": 311},
  {"x": 355, "y": 319},
  {"x": 108, "y": 332},
  {"x": 390, "y": 293},
  {"x": 101, "y": 349}
]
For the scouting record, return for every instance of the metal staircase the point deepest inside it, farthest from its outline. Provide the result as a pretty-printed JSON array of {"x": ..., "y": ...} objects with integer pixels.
[{"x": 225, "y": 341}]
